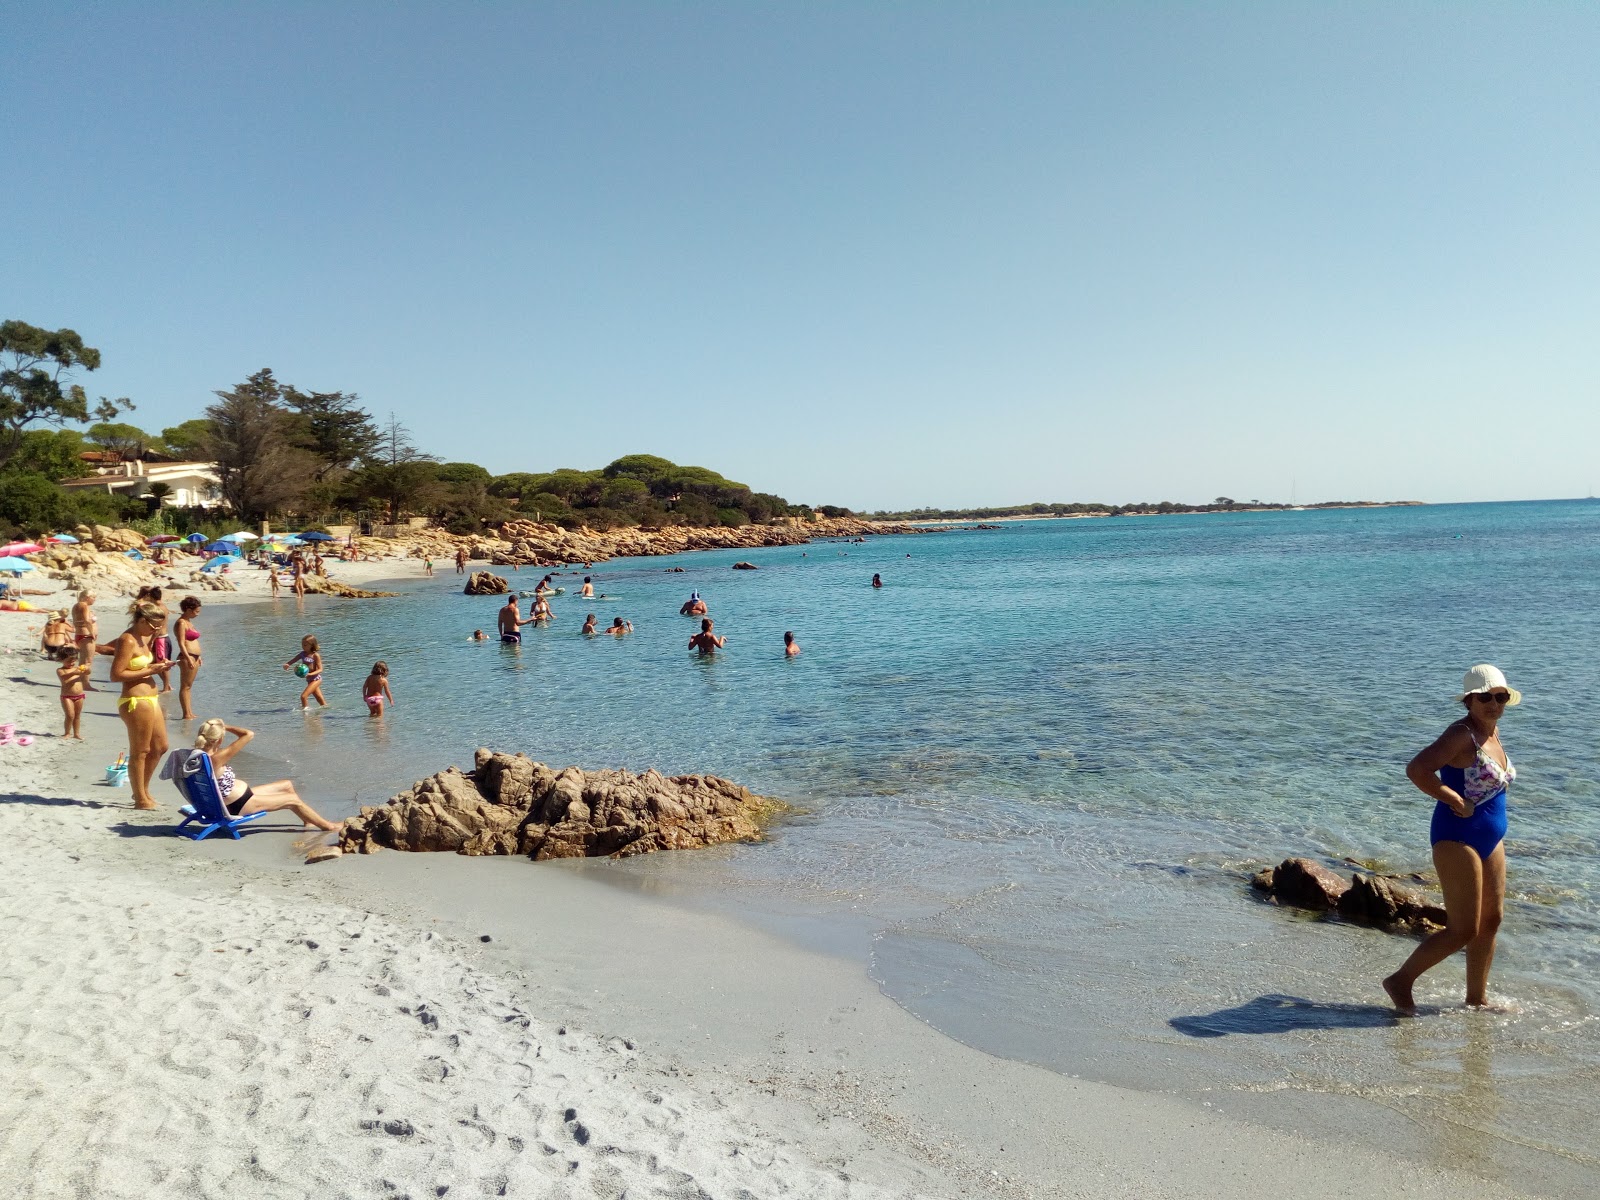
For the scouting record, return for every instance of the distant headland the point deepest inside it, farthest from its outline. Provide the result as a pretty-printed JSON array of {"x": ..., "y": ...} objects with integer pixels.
[{"x": 1041, "y": 511}]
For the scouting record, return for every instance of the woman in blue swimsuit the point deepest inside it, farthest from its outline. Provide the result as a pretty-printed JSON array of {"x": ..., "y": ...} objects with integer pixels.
[{"x": 1466, "y": 771}]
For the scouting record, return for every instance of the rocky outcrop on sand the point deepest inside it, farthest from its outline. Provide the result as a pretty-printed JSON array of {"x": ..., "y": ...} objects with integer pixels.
[
  {"x": 485, "y": 583},
  {"x": 541, "y": 544},
  {"x": 1366, "y": 899},
  {"x": 509, "y": 804}
]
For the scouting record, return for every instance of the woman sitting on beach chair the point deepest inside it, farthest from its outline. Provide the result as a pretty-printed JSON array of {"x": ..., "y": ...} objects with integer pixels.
[{"x": 238, "y": 796}]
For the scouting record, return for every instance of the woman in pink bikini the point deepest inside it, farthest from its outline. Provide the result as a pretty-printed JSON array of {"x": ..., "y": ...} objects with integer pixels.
[
  {"x": 1466, "y": 771},
  {"x": 188, "y": 639}
]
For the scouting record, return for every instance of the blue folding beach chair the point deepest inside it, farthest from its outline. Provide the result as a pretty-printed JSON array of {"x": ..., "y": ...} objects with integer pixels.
[{"x": 191, "y": 772}]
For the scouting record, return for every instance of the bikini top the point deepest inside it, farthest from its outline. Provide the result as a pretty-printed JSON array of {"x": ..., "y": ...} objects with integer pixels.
[
  {"x": 1484, "y": 779},
  {"x": 140, "y": 661}
]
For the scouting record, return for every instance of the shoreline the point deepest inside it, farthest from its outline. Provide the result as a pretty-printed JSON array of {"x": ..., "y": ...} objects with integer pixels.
[{"x": 798, "y": 1046}]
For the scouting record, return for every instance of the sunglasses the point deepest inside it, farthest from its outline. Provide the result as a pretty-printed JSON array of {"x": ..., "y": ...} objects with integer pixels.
[{"x": 1497, "y": 697}]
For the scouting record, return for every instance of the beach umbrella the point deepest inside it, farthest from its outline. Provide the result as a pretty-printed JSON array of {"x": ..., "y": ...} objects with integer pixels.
[
  {"x": 61, "y": 537},
  {"x": 223, "y": 547},
  {"x": 16, "y": 566},
  {"x": 244, "y": 535},
  {"x": 316, "y": 537},
  {"x": 162, "y": 537},
  {"x": 223, "y": 560},
  {"x": 195, "y": 537},
  {"x": 20, "y": 548}
]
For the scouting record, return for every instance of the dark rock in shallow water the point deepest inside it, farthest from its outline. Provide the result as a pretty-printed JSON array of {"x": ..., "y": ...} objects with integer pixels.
[
  {"x": 1378, "y": 900},
  {"x": 1305, "y": 884},
  {"x": 510, "y": 804},
  {"x": 485, "y": 583},
  {"x": 745, "y": 566}
]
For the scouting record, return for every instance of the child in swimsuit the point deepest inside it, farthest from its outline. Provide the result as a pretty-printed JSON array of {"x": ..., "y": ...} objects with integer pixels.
[
  {"x": 312, "y": 657},
  {"x": 72, "y": 676},
  {"x": 376, "y": 689}
]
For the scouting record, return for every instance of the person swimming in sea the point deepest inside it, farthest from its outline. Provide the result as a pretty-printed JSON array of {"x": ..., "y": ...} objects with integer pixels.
[
  {"x": 512, "y": 620},
  {"x": 693, "y": 606},
  {"x": 707, "y": 642},
  {"x": 478, "y": 635},
  {"x": 790, "y": 646},
  {"x": 311, "y": 657},
  {"x": 620, "y": 627},
  {"x": 877, "y": 581},
  {"x": 588, "y": 625},
  {"x": 375, "y": 689}
]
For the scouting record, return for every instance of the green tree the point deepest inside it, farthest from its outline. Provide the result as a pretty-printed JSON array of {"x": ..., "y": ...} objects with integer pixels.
[
  {"x": 252, "y": 442},
  {"x": 36, "y": 366},
  {"x": 53, "y": 453},
  {"x": 456, "y": 472},
  {"x": 639, "y": 466},
  {"x": 334, "y": 429},
  {"x": 190, "y": 438},
  {"x": 126, "y": 441},
  {"x": 396, "y": 473}
]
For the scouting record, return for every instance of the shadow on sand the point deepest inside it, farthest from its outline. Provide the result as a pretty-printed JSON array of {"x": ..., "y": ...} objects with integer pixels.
[
  {"x": 62, "y": 802},
  {"x": 1285, "y": 1014}
]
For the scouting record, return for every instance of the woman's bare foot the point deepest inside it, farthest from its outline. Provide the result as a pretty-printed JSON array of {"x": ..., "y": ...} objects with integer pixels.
[
  {"x": 144, "y": 804},
  {"x": 1400, "y": 993}
]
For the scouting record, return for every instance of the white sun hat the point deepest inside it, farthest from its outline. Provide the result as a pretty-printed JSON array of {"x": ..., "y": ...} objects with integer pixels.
[{"x": 1486, "y": 678}]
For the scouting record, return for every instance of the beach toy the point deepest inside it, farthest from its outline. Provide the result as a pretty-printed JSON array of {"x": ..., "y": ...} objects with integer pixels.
[
  {"x": 302, "y": 670},
  {"x": 117, "y": 775},
  {"x": 10, "y": 737}
]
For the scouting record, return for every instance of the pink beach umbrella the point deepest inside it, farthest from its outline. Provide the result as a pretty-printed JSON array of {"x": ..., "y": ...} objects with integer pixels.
[{"x": 20, "y": 548}]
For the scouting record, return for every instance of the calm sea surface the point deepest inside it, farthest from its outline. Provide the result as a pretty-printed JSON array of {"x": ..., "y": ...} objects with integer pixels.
[{"x": 1038, "y": 765}]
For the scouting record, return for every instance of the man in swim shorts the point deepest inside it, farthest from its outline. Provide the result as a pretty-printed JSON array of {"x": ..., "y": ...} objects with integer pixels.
[
  {"x": 511, "y": 620},
  {"x": 693, "y": 606}
]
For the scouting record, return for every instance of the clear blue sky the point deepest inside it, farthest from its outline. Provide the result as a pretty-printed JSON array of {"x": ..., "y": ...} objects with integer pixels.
[{"x": 885, "y": 255}]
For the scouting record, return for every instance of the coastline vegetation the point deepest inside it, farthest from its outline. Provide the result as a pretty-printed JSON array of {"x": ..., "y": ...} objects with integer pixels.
[{"x": 310, "y": 459}]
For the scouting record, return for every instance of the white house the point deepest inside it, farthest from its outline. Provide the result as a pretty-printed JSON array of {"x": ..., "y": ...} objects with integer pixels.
[{"x": 193, "y": 484}]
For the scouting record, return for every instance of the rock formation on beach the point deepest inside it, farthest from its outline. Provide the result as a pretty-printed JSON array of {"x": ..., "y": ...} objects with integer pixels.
[
  {"x": 485, "y": 583},
  {"x": 541, "y": 544},
  {"x": 509, "y": 804},
  {"x": 1379, "y": 900}
]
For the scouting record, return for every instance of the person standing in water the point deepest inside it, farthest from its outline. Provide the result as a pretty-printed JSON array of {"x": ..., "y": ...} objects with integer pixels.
[
  {"x": 311, "y": 657},
  {"x": 511, "y": 620},
  {"x": 790, "y": 646},
  {"x": 375, "y": 690},
  {"x": 693, "y": 606},
  {"x": 188, "y": 640},
  {"x": 877, "y": 581},
  {"x": 1466, "y": 770},
  {"x": 620, "y": 627},
  {"x": 705, "y": 641},
  {"x": 588, "y": 625},
  {"x": 587, "y": 590}
]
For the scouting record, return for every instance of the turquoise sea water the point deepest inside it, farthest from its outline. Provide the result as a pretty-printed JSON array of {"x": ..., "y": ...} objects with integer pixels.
[{"x": 1038, "y": 765}]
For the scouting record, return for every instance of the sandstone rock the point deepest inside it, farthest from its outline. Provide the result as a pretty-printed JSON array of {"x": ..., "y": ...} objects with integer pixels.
[
  {"x": 511, "y": 804},
  {"x": 332, "y": 587},
  {"x": 116, "y": 540},
  {"x": 1301, "y": 883},
  {"x": 483, "y": 583},
  {"x": 1378, "y": 900}
]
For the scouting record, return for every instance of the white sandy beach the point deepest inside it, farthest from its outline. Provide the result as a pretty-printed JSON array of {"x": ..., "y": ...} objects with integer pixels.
[{"x": 214, "y": 1019}]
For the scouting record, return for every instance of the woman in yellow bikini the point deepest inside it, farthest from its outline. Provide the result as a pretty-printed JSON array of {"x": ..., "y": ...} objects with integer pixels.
[{"x": 134, "y": 666}]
